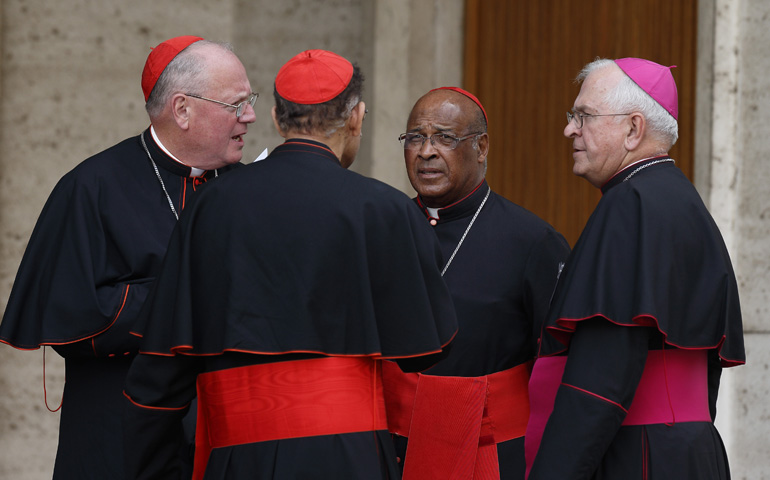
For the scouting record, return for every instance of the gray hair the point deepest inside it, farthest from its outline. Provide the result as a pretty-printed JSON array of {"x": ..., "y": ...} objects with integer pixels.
[
  {"x": 627, "y": 96},
  {"x": 185, "y": 73}
]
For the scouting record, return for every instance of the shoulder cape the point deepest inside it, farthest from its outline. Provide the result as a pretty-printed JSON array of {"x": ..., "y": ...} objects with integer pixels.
[
  {"x": 651, "y": 255},
  {"x": 296, "y": 254},
  {"x": 96, "y": 247}
]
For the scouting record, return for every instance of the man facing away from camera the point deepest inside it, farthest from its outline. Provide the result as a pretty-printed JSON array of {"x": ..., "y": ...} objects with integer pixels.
[{"x": 284, "y": 289}]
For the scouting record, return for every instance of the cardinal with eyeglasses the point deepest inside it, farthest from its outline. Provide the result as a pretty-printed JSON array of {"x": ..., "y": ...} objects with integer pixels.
[
  {"x": 102, "y": 235},
  {"x": 465, "y": 417}
]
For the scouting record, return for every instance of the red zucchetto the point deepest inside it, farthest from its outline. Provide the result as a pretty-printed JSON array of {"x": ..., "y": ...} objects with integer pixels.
[
  {"x": 160, "y": 57},
  {"x": 313, "y": 76},
  {"x": 467, "y": 94}
]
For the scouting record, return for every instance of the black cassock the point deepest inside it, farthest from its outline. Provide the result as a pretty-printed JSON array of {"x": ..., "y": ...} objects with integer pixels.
[
  {"x": 293, "y": 258},
  {"x": 86, "y": 272},
  {"x": 501, "y": 280},
  {"x": 650, "y": 271}
]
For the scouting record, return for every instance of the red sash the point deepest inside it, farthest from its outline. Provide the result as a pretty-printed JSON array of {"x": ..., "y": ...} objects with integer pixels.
[
  {"x": 273, "y": 401},
  {"x": 454, "y": 423},
  {"x": 673, "y": 388}
]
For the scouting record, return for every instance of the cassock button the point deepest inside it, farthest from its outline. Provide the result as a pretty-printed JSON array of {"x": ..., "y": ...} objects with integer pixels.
[{"x": 433, "y": 221}]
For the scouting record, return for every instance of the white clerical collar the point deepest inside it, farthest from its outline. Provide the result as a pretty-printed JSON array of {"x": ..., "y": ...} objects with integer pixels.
[
  {"x": 433, "y": 211},
  {"x": 194, "y": 172}
]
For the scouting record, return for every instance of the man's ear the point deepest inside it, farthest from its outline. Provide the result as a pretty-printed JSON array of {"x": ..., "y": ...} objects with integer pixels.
[
  {"x": 275, "y": 122},
  {"x": 180, "y": 111},
  {"x": 636, "y": 132},
  {"x": 482, "y": 142},
  {"x": 356, "y": 120}
]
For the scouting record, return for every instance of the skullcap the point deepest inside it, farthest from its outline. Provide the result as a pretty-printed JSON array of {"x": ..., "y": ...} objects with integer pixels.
[
  {"x": 160, "y": 57},
  {"x": 654, "y": 79},
  {"x": 469, "y": 95},
  {"x": 313, "y": 77}
]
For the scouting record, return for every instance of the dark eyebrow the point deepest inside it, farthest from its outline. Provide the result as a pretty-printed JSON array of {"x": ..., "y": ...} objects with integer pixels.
[{"x": 439, "y": 129}]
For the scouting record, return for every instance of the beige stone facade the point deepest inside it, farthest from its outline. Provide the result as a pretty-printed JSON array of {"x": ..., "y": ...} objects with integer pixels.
[{"x": 69, "y": 87}]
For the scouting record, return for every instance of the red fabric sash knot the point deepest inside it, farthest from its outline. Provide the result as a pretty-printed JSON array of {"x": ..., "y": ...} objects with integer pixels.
[{"x": 455, "y": 423}]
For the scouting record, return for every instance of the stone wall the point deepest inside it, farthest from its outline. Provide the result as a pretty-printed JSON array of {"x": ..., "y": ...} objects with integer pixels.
[
  {"x": 735, "y": 181},
  {"x": 70, "y": 87},
  {"x": 70, "y": 82}
]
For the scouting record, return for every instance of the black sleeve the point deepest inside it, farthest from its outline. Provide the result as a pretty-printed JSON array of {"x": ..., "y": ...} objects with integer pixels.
[
  {"x": 714, "y": 379},
  {"x": 542, "y": 270},
  {"x": 82, "y": 282},
  {"x": 115, "y": 340},
  {"x": 159, "y": 390},
  {"x": 604, "y": 367}
]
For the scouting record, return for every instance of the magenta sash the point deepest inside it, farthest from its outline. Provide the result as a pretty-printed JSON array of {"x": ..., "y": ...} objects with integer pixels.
[{"x": 673, "y": 388}]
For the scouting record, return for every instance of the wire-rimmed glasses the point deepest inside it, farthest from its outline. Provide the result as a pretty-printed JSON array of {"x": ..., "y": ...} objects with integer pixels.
[
  {"x": 578, "y": 117},
  {"x": 445, "y": 141},
  {"x": 239, "y": 107}
]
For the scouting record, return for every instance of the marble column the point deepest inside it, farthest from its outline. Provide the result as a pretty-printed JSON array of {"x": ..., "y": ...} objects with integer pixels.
[{"x": 733, "y": 177}]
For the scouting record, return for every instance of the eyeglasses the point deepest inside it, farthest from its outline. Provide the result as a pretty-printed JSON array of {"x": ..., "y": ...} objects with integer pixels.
[
  {"x": 578, "y": 117},
  {"x": 239, "y": 107},
  {"x": 444, "y": 141}
]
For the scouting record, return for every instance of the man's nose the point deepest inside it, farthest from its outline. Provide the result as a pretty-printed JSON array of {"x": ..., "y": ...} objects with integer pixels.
[
  {"x": 248, "y": 115},
  {"x": 427, "y": 149},
  {"x": 571, "y": 130}
]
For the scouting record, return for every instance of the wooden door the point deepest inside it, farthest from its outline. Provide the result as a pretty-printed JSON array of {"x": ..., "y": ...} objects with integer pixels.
[{"x": 521, "y": 57}]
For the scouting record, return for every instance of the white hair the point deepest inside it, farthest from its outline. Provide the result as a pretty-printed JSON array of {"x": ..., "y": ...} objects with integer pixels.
[
  {"x": 186, "y": 73},
  {"x": 627, "y": 96}
]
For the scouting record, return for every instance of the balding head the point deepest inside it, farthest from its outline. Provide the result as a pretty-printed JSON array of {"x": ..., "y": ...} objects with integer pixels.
[
  {"x": 441, "y": 174},
  {"x": 477, "y": 121}
]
